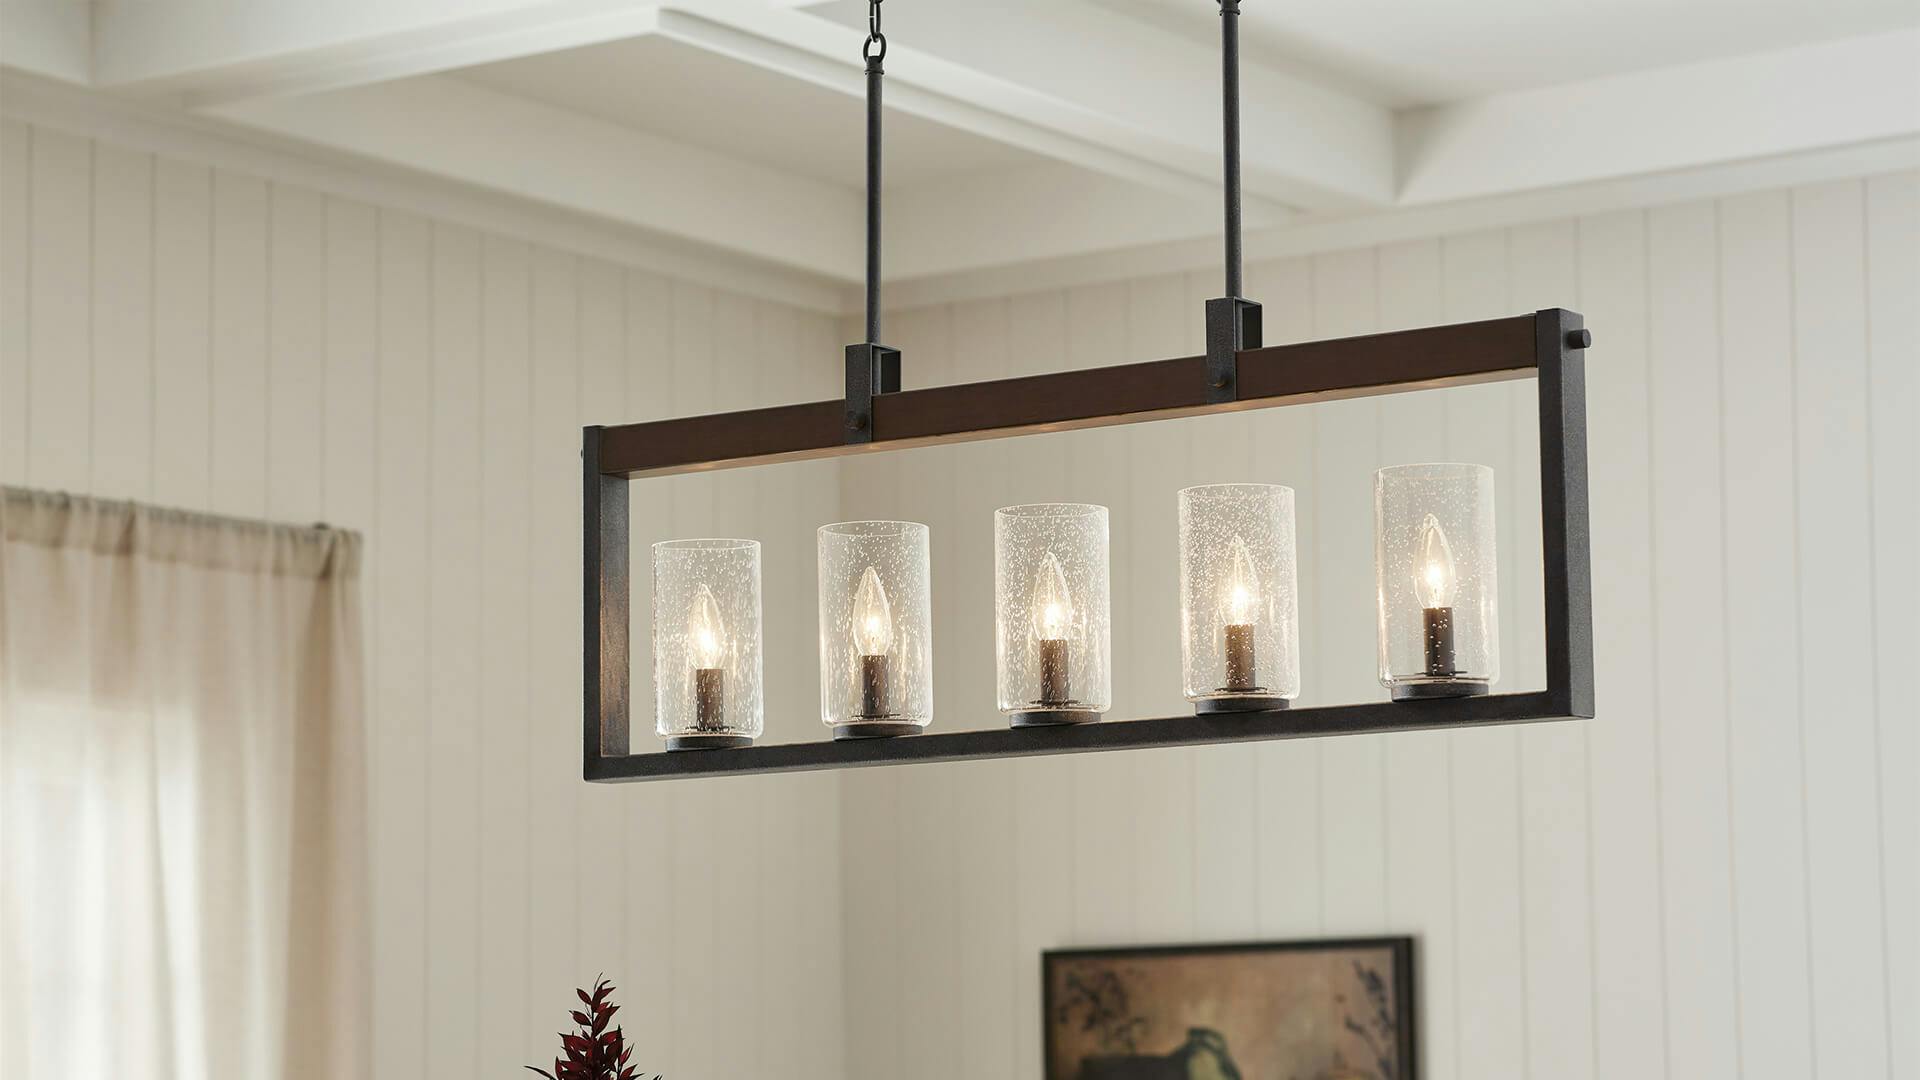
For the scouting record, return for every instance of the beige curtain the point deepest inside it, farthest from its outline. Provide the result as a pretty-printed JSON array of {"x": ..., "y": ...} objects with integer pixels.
[{"x": 182, "y": 882}]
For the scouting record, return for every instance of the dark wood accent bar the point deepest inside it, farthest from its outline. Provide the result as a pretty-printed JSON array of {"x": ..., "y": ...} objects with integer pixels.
[{"x": 1429, "y": 358}]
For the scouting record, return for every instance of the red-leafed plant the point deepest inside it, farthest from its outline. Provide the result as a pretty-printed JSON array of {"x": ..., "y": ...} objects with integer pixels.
[{"x": 593, "y": 1053}]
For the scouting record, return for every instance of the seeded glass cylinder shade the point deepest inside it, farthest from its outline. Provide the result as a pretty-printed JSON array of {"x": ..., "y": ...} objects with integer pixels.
[
  {"x": 1435, "y": 566},
  {"x": 1053, "y": 627},
  {"x": 706, "y": 643},
  {"x": 1239, "y": 603},
  {"x": 876, "y": 628}
]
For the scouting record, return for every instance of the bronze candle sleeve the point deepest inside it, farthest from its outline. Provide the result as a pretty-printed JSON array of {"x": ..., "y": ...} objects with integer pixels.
[
  {"x": 873, "y": 687},
  {"x": 1438, "y": 622},
  {"x": 1055, "y": 687},
  {"x": 709, "y": 699},
  {"x": 1241, "y": 674}
]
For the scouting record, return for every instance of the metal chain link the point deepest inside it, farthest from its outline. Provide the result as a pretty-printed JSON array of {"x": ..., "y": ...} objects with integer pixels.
[{"x": 874, "y": 36}]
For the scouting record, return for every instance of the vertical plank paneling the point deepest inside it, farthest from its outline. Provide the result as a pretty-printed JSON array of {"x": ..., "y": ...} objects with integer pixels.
[
  {"x": 1043, "y": 787},
  {"x": 182, "y": 303},
  {"x": 1765, "y": 787},
  {"x": 1851, "y": 1023},
  {"x": 350, "y": 437},
  {"x": 732, "y": 820},
  {"x": 453, "y": 650},
  {"x": 646, "y": 981},
  {"x": 1341, "y": 661},
  {"x": 505, "y": 699},
  {"x": 814, "y": 817},
  {"x": 1104, "y": 799},
  {"x": 870, "y": 906},
  {"x": 990, "y": 977},
  {"x": 1542, "y": 273},
  {"x": 60, "y": 358},
  {"x": 781, "y": 984},
  {"x": 691, "y": 947},
  {"x": 122, "y": 331},
  {"x": 1553, "y": 757},
  {"x": 1164, "y": 819},
  {"x": 399, "y": 698},
  {"x": 1893, "y": 373},
  {"x": 1286, "y": 806},
  {"x": 1628, "y": 954},
  {"x": 928, "y": 963},
  {"x": 600, "y": 871},
  {"x": 297, "y": 348},
  {"x": 1490, "y": 966},
  {"x": 239, "y": 331},
  {"x": 16, "y": 215},
  {"x": 552, "y": 752},
  {"x": 1690, "y": 672},
  {"x": 1225, "y": 872},
  {"x": 1419, "y": 767}
]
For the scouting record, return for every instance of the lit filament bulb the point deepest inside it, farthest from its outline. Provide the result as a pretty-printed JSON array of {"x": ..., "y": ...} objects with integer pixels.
[
  {"x": 1242, "y": 601},
  {"x": 1052, "y": 608},
  {"x": 872, "y": 616},
  {"x": 705, "y": 630},
  {"x": 1433, "y": 574}
]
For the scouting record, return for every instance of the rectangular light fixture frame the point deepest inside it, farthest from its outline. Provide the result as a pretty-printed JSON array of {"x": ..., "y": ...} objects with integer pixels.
[{"x": 1547, "y": 346}]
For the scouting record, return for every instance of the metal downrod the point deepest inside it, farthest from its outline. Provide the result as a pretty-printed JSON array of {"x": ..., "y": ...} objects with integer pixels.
[
  {"x": 874, "y": 51},
  {"x": 1230, "y": 113}
]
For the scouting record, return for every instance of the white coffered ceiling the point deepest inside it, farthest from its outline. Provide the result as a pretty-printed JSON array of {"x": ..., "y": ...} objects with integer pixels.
[
  {"x": 1404, "y": 53},
  {"x": 1019, "y": 131}
]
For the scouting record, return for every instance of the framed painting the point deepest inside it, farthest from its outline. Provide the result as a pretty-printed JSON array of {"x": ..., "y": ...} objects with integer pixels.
[{"x": 1292, "y": 1010}]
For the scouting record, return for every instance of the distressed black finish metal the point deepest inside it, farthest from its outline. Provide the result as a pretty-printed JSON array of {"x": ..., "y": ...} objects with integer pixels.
[
  {"x": 872, "y": 368},
  {"x": 1546, "y": 345},
  {"x": 1240, "y": 703},
  {"x": 609, "y": 591},
  {"x": 1230, "y": 135},
  {"x": 1233, "y": 326},
  {"x": 1233, "y": 322}
]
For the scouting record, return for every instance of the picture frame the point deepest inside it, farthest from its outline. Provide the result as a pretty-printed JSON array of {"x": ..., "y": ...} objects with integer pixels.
[{"x": 1323, "y": 1009}]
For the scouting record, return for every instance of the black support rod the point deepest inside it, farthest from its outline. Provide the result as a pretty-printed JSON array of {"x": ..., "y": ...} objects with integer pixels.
[
  {"x": 874, "y": 57},
  {"x": 1230, "y": 117}
]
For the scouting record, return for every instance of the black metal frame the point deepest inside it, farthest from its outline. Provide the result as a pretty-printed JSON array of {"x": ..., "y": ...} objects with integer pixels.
[
  {"x": 1547, "y": 345},
  {"x": 1400, "y": 948}
]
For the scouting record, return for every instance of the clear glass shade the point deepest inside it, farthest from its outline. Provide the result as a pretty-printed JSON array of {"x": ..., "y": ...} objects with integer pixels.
[
  {"x": 706, "y": 642},
  {"x": 1436, "y": 571},
  {"x": 876, "y": 626},
  {"x": 1239, "y": 603},
  {"x": 1053, "y": 627}
]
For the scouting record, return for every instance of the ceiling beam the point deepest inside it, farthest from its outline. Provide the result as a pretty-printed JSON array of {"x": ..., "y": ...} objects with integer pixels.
[
  {"x": 1063, "y": 78},
  {"x": 1838, "y": 93},
  {"x": 49, "y": 38},
  {"x": 814, "y": 51},
  {"x": 453, "y": 128},
  {"x": 1073, "y": 81},
  {"x": 215, "y": 51}
]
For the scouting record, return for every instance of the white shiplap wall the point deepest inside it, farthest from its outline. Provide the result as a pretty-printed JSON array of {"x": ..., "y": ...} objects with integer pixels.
[
  {"x": 1717, "y": 877},
  {"x": 198, "y": 337}
]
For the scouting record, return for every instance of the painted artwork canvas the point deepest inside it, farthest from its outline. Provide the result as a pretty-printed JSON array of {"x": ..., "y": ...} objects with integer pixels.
[{"x": 1309, "y": 1010}]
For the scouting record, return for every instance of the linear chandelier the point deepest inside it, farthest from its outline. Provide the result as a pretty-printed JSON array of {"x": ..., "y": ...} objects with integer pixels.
[{"x": 1434, "y": 563}]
